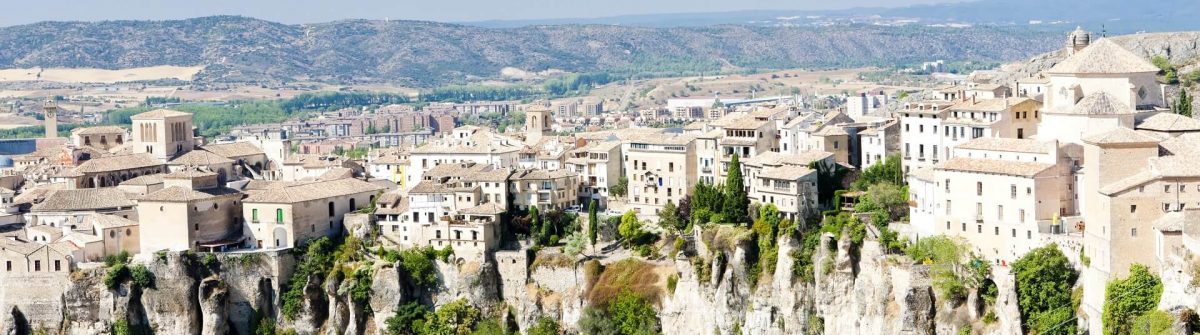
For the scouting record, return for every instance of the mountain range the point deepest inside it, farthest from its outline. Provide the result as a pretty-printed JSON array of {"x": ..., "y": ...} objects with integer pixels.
[{"x": 419, "y": 53}]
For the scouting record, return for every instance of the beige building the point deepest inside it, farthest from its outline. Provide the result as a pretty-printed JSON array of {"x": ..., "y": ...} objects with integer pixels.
[
  {"x": 162, "y": 133},
  {"x": 101, "y": 138},
  {"x": 785, "y": 181},
  {"x": 289, "y": 214},
  {"x": 547, "y": 190},
  {"x": 660, "y": 169},
  {"x": 191, "y": 212},
  {"x": 598, "y": 165},
  {"x": 67, "y": 209}
]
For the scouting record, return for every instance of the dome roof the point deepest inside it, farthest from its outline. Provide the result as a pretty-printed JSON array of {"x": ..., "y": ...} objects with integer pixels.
[{"x": 1079, "y": 38}]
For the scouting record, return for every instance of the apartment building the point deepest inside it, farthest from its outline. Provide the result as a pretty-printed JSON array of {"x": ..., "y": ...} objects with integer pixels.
[
  {"x": 786, "y": 181},
  {"x": 878, "y": 141},
  {"x": 464, "y": 144},
  {"x": 544, "y": 189},
  {"x": 598, "y": 165},
  {"x": 660, "y": 169}
]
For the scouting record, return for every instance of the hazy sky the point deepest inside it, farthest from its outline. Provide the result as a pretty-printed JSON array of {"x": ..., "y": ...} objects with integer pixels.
[{"x": 307, "y": 11}]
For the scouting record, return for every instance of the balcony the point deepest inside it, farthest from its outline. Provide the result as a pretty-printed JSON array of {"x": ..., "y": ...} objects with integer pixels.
[{"x": 706, "y": 169}]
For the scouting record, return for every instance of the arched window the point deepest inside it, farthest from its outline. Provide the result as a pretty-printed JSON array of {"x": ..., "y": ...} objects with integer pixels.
[{"x": 331, "y": 208}]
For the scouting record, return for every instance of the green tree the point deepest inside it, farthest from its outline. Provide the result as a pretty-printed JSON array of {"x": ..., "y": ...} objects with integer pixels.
[
  {"x": 544, "y": 326},
  {"x": 1126, "y": 299},
  {"x": 535, "y": 224},
  {"x": 620, "y": 188},
  {"x": 736, "y": 201},
  {"x": 418, "y": 265},
  {"x": 1183, "y": 105},
  {"x": 829, "y": 180},
  {"x": 574, "y": 244},
  {"x": 633, "y": 314},
  {"x": 1153, "y": 323},
  {"x": 668, "y": 218},
  {"x": 402, "y": 323},
  {"x": 1044, "y": 278},
  {"x": 630, "y": 228},
  {"x": 593, "y": 223},
  {"x": 455, "y": 318}
]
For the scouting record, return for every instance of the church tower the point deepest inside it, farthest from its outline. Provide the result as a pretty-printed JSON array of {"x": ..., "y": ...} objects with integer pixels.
[
  {"x": 50, "y": 111},
  {"x": 1078, "y": 40},
  {"x": 537, "y": 122}
]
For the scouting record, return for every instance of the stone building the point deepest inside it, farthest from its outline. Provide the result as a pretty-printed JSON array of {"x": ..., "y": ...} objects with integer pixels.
[
  {"x": 102, "y": 138},
  {"x": 544, "y": 189},
  {"x": 284, "y": 215},
  {"x": 660, "y": 169},
  {"x": 162, "y": 133},
  {"x": 192, "y": 211},
  {"x": 68, "y": 208}
]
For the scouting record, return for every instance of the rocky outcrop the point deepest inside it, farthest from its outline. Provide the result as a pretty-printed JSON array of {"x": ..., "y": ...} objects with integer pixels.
[
  {"x": 214, "y": 299},
  {"x": 172, "y": 305}
]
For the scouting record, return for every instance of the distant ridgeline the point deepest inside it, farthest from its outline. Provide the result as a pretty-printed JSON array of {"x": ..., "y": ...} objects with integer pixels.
[{"x": 430, "y": 54}]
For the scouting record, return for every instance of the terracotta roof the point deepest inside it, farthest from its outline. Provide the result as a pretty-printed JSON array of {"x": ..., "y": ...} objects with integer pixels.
[
  {"x": 199, "y": 157},
  {"x": 184, "y": 194},
  {"x": 993, "y": 166},
  {"x": 538, "y": 174},
  {"x": 1169, "y": 122},
  {"x": 426, "y": 187},
  {"x": 1118, "y": 136},
  {"x": 83, "y": 200},
  {"x": 1006, "y": 145},
  {"x": 117, "y": 163},
  {"x": 313, "y": 191},
  {"x": 101, "y": 130},
  {"x": 1103, "y": 57},
  {"x": 158, "y": 114},
  {"x": 233, "y": 150},
  {"x": 189, "y": 174}
]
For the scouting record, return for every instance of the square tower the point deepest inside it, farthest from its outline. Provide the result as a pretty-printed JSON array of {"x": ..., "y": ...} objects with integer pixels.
[
  {"x": 537, "y": 122},
  {"x": 162, "y": 133}
]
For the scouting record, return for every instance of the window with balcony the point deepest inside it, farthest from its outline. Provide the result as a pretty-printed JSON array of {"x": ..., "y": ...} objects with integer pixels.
[{"x": 1012, "y": 190}]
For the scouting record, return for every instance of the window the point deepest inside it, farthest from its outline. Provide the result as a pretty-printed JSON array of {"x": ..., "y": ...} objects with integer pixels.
[
  {"x": 947, "y": 184},
  {"x": 1166, "y": 207},
  {"x": 1014, "y": 233},
  {"x": 1021, "y": 215},
  {"x": 1028, "y": 234},
  {"x": 1166, "y": 188},
  {"x": 671, "y": 167},
  {"x": 254, "y": 215},
  {"x": 37, "y": 265},
  {"x": 1132, "y": 208},
  {"x": 7, "y": 265},
  {"x": 1012, "y": 190},
  {"x": 331, "y": 208},
  {"x": 279, "y": 215},
  {"x": 979, "y": 188},
  {"x": 997, "y": 230},
  {"x": 1133, "y": 232},
  {"x": 947, "y": 207},
  {"x": 1000, "y": 212},
  {"x": 57, "y": 265}
]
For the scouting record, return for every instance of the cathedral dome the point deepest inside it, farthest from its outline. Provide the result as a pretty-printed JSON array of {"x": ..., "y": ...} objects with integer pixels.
[{"x": 1079, "y": 38}]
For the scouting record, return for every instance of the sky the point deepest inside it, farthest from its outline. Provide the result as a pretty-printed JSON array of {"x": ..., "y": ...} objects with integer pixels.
[{"x": 311, "y": 11}]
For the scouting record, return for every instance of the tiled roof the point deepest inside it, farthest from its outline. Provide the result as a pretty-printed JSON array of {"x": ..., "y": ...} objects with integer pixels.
[
  {"x": 395, "y": 202},
  {"x": 746, "y": 123},
  {"x": 184, "y": 194},
  {"x": 538, "y": 174},
  {"x": 426, "y": 187},
  {"x": 1120, "y": 135},
  {"x": 233, "y": 150},
  {"x": 660, "y": 139},
  {"x": 490, "y": 208},
  {"x": 336, "y": 173},
  {"x": 1099, "y": 103},
  {"x": 150, "y": 179},
  {"x": 1182, "y": 145},
  {"x": 313, "y": 191},
  {"x": 199, "y": 157},
  {"x": 1169, "y": 122},
  {"x": 989, "y": 105},
  {"x": 1136, "y": 179},
  {"x": 83, "y": 200},
  {"x": 117, "y": 163},
  {"x": 925, "y": 173},
  {"x": 190, "y": 173},
  {"x": 1103, "y": 57},
  {"x": 106, "y": 221},
  {"x": 993, "y": 166},
  {"x": 772, "y": 158},
  {"x": 157, "y": 114},
  {"x": 786, "y": 172},
  {"x": 100, "y": 130},
  {"x": 1006, "y": 145}
]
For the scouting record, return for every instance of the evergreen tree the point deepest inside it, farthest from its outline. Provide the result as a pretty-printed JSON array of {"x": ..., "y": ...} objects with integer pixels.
[
  {"x": 1183, "y": 106},
  {"x": 535, "y": 223},
  {"x": 593, "y": 222},
  {"x": 736, "y": 203}
]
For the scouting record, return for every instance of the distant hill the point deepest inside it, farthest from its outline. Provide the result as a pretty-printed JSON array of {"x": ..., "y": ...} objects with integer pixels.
[
  {"x": 1117, "y": 16},
  {"x": 239, "y": 49}
]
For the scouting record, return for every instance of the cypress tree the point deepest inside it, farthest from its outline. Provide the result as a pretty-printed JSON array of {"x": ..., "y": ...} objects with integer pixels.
[
  {"x": 592, "y": 223},
  {"x": 736, "y": 203}
]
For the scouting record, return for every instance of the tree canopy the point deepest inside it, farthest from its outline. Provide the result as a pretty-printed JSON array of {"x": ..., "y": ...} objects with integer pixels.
[{"x": 1044, "y": 279}]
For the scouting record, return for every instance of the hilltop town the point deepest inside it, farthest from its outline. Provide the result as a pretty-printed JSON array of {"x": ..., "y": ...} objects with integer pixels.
[{"x": 1054, "y": 201}]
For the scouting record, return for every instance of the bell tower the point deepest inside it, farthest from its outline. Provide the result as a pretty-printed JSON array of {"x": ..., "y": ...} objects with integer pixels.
[
  {"x": 537, "y": 122},
  {"x": 1078, "y": 40},
  {"x": 50, "y": 112}
]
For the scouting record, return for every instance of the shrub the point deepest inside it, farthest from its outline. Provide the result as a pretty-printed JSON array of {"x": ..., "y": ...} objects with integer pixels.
[
  {"x": 403, "y": 322},
  {"x": 1126, "y": 299},
  {"x": 1044, "y": 279},
  {"x": 672, "y": 281},
  {"x": 1152, "y": 323},
  {"x": 544, "y": 326},
  {"x": 116, "y": 274},
  {"x": 141, "y": 276},
  {"x": 990, "y": 318}
]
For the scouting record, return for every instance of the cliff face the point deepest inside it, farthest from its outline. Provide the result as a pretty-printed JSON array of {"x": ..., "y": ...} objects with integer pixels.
[{"x": 864, "y": 291}]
